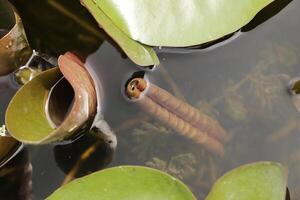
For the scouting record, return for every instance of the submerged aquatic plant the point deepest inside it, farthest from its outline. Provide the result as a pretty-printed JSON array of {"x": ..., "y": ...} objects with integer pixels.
[
  {"x": 177, "y": 114},
  {"x": 182, "y": 166},
  {"x": 149, "y": 138}
]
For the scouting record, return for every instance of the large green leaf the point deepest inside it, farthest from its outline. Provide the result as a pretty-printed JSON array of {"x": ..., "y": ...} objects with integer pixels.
[
  {"x": 125, "y": 183},
  {"x": 140, "y": 54},
  {"x": 180, "y": 22},
  {"x": 174, "y": 23},
  {"x": 259, "y": 181}
]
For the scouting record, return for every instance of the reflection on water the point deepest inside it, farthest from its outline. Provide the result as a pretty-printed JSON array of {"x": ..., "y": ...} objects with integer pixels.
[
  {"x": 243, "y": 84},
  {"x": 15, "y": 178},
  {"x": 83, "y": 156},
  {"x": 3, "y": 32}
]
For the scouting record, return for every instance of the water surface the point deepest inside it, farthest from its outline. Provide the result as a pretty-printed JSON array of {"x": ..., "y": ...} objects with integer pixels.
[{"x": 242, "y": 84}]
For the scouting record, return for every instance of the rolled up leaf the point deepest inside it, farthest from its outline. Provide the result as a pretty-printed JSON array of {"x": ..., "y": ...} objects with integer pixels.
[
  {"x": 26, "y": 115},
  {"x": 8, "y": 148},
  {"x": 14, "y": 47}
]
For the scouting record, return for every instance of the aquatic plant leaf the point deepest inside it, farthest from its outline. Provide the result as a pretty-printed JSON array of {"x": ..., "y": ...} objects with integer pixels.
[
  {"x": 259, "y": 181},
  {"x": 136, "y": 24},
  {"x": 27, "y": 117},
  {"x": 8, "y": 147},
  {"x": 140, "y": 54},
  {"x": 125, "y": 182},
  {"x": 14, "y": 47},
  {"x": 180, "y": 22},
  {"x": 49, "y": 22}
]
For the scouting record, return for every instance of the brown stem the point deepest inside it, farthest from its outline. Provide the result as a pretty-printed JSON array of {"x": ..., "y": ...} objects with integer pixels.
[
  {"x": 171, "y": 82},
  {"x": 187, "y": 112},
  {"x": 180, "y": 108},
  {"x": 283, "y": 132},
  {"x": 90, "y": 150},
  {"x": 86, "y": 154},
  {"x": 162, "y": 112}
]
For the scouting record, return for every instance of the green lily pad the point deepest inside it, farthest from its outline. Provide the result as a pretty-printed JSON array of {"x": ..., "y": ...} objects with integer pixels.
[
  {"x": 125, "y": 183},
  {"x": 14, "y": 47},
  {"x": 142, "y": 55},
  {"x": 28, "y": 117},
  {"x": 138, "y": 24},
  {"x": 259, "y": 181},
  {"x": 180, "y": 22}
]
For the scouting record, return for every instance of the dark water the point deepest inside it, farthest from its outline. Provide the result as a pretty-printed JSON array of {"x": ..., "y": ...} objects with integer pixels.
[
  {"x": 242, "y": 84},
  {"x": 7, "y": 19}
]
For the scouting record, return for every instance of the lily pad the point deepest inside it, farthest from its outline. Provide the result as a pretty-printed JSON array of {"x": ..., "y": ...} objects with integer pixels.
[
  {"x": 27, "y": 117},
  {"x": 171, "y": 23},
  {"x": 140, "y": 54},
  {"x": 180, "y": 22},
  {"x": 259, "y": 181},
  {"x": 125, "y": 182},
  {"x": 14, "y": 47}
]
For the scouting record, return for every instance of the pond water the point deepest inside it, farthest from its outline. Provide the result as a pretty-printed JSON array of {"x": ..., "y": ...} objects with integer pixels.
[{"x": 243, "y": 84}]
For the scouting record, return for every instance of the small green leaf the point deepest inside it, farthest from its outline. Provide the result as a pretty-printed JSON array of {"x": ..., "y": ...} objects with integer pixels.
[
  {"x": 142, "y": 55},
  {"x": 259, "y": 181},
  {"x": 125, "y": 183}
]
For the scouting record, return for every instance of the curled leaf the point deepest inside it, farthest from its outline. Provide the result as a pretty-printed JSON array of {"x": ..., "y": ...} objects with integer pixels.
[
  {"x": 8, "y": 148},
  {"x": 14, "y": 47},
  {"x": 125, "y": 182},
  {"x": 28, "y": 117},
  {"x": 259, "y": 181}
]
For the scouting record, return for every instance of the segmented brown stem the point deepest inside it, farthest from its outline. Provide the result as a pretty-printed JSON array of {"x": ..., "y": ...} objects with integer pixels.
[
  {"x": 176, "y": 114},
  {"x": 187, "y": 112}
]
